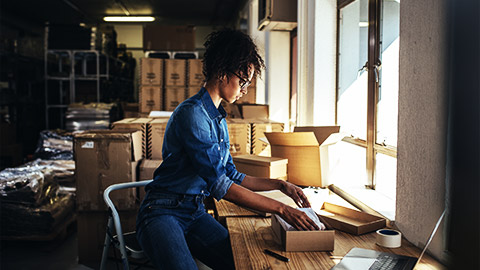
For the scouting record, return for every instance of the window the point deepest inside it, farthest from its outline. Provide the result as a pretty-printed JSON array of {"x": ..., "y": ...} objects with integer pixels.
[{"x": 367, "y": 91}]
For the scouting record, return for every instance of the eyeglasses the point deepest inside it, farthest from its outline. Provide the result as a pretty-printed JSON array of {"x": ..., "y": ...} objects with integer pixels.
[{"x": 243, "y": 83}]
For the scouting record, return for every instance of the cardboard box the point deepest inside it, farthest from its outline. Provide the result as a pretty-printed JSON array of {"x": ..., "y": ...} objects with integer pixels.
[
  {"x": 151, "y": 71},
  {"x": 267, "y": 167},
  {"x": 137, "y": 124},
  {"x": 307, "y": 153},
  {"x": 168, "y": 38},
  {"x": 158, "y": 127},
  {"x": 173, "y": 97},
  {"x": 239, "y": 135},
  {"x": 130, "y": 109},
  {"x": 303, "y": 240},
  {"x": 103, "y": 158},
  {"x": 192, "y": 90},
  {"x": 175, "y": 72},
  {"x": 349, "y": 220},
  {"x": 195, "y": 73},
  {"x": 232, "y": 110},
  {"x": 254, "y": 111},
  {"x": 91, "y": 229},
  {"x": 145, "y": 172},
  {"x": 150, "y": 98},
  {"x": 260, "y": 146}
]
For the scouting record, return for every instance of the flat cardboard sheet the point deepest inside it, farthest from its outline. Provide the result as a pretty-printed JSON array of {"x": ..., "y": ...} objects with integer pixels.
[{"x": 349, "y": 220}]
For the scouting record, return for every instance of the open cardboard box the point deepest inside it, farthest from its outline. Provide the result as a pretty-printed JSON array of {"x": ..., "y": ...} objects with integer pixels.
[
  {"x": 349, "y": 220},
  {"x": 303, "y": 240},
  {"x": 307, "y": 152}
]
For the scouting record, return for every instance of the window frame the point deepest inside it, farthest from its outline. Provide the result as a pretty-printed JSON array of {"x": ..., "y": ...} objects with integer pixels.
[{"x": 374, "y": 51}]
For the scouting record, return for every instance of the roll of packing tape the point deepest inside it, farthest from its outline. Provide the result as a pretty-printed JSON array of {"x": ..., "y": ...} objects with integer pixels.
[{"x": 389, "y": 238}]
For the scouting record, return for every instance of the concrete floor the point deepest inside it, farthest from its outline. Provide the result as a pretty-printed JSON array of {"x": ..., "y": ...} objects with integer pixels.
[{"x": 54, "y": 255}]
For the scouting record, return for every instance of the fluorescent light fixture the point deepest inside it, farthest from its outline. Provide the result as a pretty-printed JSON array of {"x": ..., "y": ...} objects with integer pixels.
[
  {"x": 129, "y": 19},
  {"x": 363, "y": 24}
]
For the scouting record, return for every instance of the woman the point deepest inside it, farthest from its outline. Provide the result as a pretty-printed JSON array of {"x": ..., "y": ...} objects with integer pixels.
[{"x": 172, "y": 225}]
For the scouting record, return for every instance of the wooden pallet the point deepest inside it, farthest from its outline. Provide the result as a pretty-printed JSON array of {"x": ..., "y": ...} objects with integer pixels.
[{"x": 59, "y": 232}]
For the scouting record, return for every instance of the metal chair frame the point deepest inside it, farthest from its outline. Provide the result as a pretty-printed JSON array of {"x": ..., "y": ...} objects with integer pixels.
[{"x": 114, "y": 223}]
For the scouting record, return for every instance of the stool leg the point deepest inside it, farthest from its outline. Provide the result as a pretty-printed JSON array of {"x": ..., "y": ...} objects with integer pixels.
[{"x": 107, "y": 243}]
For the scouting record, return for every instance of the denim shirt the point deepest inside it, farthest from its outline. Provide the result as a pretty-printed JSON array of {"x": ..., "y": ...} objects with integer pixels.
[{"x": 196, "y": 156}]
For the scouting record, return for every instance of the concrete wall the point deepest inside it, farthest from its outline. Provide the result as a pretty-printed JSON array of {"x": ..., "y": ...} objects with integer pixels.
[{"x": 422, "y": 121}]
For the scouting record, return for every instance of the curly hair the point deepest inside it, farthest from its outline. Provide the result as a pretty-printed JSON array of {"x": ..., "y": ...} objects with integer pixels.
[{"x": 230, "y": 51}]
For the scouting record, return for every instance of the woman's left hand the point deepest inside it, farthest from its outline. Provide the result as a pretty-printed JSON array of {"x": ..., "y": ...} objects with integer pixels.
[{"x": 296, "y": 194}]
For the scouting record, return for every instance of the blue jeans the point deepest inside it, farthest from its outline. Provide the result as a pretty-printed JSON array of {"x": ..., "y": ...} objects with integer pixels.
[{"x": 172, "y": 229}]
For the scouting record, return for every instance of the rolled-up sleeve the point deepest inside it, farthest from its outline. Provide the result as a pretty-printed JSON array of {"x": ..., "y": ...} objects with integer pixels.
[
  {"x": 203, "y": 150},
  {"x": 232, "y": 172}
]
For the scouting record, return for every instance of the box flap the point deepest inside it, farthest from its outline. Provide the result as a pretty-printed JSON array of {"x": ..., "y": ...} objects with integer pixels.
[
  {"x": 260, "y": 160},
  {"x": 292, "y": 138},
  {"x": 321, "y": 132},
  {"x": 141, "y": 120},
  {"x": 137, "y": 145}
]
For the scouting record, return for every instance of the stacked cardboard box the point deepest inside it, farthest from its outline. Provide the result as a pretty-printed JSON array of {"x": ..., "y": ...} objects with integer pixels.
[
  {"x": 259, "y": 128},
  {"x": 168, "y": 82},
  {"x": 103, "y": 158},
  {"x": 266, "y": 167},
  {"x": 195, "y": 77},
  {"x": 239, "y": 132},
  {"x": 151, "y": 96},
  {"x": 141, "y": 124}
]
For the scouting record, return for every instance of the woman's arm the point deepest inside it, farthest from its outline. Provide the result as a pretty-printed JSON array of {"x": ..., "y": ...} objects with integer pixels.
[
  {"x": 244, "y": 197},
  {"x": 263, "y": 184}
]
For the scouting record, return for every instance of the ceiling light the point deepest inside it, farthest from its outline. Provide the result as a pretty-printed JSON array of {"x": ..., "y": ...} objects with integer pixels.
[
  {"x": 129, "y": 19},
  {"x": 363, "y": 24}
]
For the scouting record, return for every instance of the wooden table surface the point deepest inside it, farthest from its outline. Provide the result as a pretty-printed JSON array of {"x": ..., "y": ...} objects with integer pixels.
[{"x": 249, "y": 236}]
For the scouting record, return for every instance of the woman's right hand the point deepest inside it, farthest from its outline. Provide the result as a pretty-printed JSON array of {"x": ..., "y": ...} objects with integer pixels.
[{"x": 298, "y": 219}]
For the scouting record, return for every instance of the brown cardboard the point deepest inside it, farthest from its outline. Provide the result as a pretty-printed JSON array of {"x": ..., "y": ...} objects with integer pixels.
[
  {"x": 192, "y": 90},
  {"x": 137, "y": 124},
  {"x": 303, "y": 240},
  {"x": 239, "y": 135},
  {"x": 266, "y": 167},
  {"x": 145, "y": 172},
  {"x": 194, "y": 71},
  {"x": 175, "y": 72},
  {"x": 173, "y": 97},
  {"x": 254, "y": 111},
  {"x": 231, "y": 109},
  {"x": 168, "y": 38},
  {"x": 91, "y": 229},
  {"x": 158, "y": 127},
  {"x": 103, "y": 158},
  {"x": 307, "y": 153},
  {"x": 350, "y": 220},
  {"x": 151, "y": 71},
  {"x": 150, "y": 98},
  {"x": 259, "y": 127}
]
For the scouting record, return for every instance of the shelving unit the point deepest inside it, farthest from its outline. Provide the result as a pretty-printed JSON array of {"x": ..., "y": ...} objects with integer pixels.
[
  {"x": 80, "y": 75},
  {"x": 61, "y": 78}
]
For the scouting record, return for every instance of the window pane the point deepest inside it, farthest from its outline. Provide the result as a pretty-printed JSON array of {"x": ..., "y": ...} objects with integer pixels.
[
  {"x": 347, "y": 165},
  {"x": 386, "y": 175},
  {"x": 352, "y": 83},
  {"x": 387, "y": 107}
]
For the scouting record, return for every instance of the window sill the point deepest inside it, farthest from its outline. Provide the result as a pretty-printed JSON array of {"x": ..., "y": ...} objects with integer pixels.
[{"x": 368, "y": 200}]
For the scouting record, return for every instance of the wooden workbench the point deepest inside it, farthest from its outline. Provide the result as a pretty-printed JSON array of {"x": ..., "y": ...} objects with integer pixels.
[
  {"x": 249, "y": 236},
  {"x": 251, "y": 233}
]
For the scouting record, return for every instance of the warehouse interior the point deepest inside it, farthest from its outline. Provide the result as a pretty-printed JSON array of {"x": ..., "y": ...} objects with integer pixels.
[{"x": 398, "y": 81}]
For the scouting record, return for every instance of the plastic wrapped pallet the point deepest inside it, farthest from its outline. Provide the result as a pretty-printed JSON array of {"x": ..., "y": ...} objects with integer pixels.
[{"x": 55, "y": 145}]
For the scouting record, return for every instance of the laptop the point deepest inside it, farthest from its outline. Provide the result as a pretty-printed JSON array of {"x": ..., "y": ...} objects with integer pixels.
[{"x": 368, "y": 259}]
